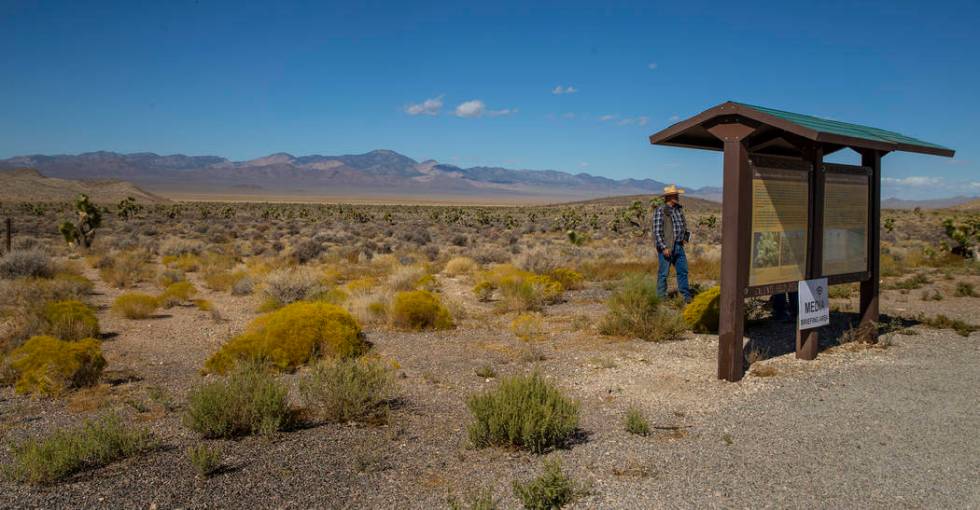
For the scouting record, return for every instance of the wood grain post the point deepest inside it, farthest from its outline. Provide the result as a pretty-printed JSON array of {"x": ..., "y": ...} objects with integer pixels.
[
  {"x": 736, "y": 222},
  {"x": 808, "y": 340},
  {"x": 870, "y": 287}
]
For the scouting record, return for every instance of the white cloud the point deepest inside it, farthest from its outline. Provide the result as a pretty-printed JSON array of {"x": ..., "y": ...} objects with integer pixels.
[
  {"x": 569, "y": 115},
  {"x": 473, "y": 108},
  {"x": 584, "y": 164},
  {"x": 607, "y": 118},
  {"x": 642, "y": 120},
  {"x": 564, "y": 90},
  {"x": 975, "y": 184},
  {"x": 430, "y": 106},
  {"x": 913, "y": 180},
  {"x": 651, "y": 66},
  {"x": 476, "y": 108}
]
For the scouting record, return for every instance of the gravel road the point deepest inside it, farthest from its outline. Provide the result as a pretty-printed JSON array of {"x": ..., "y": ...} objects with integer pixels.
[{"x": 902, "y": 434}]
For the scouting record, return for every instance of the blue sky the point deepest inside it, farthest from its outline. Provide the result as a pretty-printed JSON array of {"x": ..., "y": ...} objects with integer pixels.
[{"x": 566, "y": 86}]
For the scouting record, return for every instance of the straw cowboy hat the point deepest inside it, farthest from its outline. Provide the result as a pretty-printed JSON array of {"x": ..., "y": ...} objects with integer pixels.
[{"x": 673, "y": 190}]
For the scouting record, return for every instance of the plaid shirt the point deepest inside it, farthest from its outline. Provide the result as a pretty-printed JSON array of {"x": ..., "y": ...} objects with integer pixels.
[{"x": 677, "y": 218}]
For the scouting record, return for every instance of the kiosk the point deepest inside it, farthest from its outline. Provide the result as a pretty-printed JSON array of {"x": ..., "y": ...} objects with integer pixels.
[{"x": 786, "y": 215}]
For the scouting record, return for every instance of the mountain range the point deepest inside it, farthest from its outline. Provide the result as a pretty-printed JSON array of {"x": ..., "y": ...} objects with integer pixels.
[{"x": 379, "y": 173}]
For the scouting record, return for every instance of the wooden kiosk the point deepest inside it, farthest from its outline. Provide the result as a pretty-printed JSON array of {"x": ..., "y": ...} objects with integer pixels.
[{"x": 786, "y": 215}]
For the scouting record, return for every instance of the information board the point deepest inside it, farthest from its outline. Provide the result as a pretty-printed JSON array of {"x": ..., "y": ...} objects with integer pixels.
[
  {"x": 845, "y": 217},
  {"x": 780, "y": 205}
]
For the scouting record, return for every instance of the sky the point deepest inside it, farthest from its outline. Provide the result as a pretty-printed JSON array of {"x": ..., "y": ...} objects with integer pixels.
[{"x": 567, "y": 86}]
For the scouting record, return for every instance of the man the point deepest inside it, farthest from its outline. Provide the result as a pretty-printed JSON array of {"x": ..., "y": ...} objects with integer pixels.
[{"x": 670, "y": 234}]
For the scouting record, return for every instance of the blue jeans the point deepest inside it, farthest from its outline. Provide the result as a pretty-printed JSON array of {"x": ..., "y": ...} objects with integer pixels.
[{"x": 679, "y": 260}]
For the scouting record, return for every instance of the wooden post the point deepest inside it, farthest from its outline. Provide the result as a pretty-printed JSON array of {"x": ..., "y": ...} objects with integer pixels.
[
  {"x": 9, "y": 234},
  {"x": 807, "y": 340},
  {"x": 869, "y": 287},
  {"x": 736, "y": 220}
]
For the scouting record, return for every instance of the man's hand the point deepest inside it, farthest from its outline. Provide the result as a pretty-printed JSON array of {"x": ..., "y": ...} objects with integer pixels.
[{"x": 667, "y": 252}]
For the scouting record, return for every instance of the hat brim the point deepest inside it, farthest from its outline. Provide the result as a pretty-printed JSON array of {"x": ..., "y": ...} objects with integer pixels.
[{"x": 675, "y": 192}]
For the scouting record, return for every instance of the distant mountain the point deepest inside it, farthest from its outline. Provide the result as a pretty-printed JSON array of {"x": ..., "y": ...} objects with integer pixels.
[
  {"x": 376, "y": 173},
  {"x": 28, "y": 185},
  {"x": 935, "y": 203}
]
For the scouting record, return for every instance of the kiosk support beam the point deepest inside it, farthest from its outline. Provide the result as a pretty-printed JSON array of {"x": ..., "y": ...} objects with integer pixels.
[
  {"x": 808, "y": 340},
  {"x": 870, "y": 287},
  {"x": 736, "y": 217}
]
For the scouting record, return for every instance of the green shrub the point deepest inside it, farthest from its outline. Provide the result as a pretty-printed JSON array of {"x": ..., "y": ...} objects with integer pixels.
[
  {"x": 636, "y": 311},
  {"x": 348, "y": 390},
  {"x": 249, "y": 401},
  {"x": 94, "y": 444},
  {"x": 965, "y": 289},
  {"x": 71, "y": 320},
  {"x": 206, "y": 460},
  {"x": 549, "y": 490},
  {"x": 419, "y": 310},
  {"x": 45, "y": 365},
  {"x": 703, "y": 312},
  {"x": 525, "y": 412},
  {"x": 292, "y": 336},
  {"x": 636, "y": 423},
  {"x": 135, "y": 305},
  {"x": 177, "y": 293}
]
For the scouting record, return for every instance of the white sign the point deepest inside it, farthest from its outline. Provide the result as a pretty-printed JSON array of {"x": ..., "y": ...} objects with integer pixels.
[{"x": 814, "y": 303}]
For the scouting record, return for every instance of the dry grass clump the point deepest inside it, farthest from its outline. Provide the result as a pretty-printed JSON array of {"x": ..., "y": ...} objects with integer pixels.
[
  {"x": 369, "y": 308},
  {"x": 965, "y": 289},
  {"x": 285, "y": 286},
  {"x": 408, "y": 278},
  {"x": 70, "y": 320},
  {"x": 528, "y": 327},
  {"x": 176, "y": 246},
  {"x": 348, "y": 390},
  {"x": 635, "y": 310},
  {"x": 703, "y": 312},
  {"x": 419, "y": 310},
  {"x": 943, "y": 322},
  {"x": 45, "y": 365},
  {"x": 177, "y": 293},
  {"x": 29, "y": 263},
  {"x": 568, "y": 278},
  {"x": 249, "y": 401},
  {"x": 224, "y": 280},
  {"x": 540, "y": 259},
  {"x": 461, "y": 266},
  {"x": 525, "y": 412},
  {"x": 185, "y": 262},
  {"x": 66, "y": 451},
  {"x": 126, "y": 269},
  {"x": 135, "y": 305},
  {"x": 292, "y": 336}
]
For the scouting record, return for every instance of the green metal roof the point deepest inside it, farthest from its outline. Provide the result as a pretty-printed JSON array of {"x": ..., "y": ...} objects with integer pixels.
[
  {"x": 843, "y": 128},
  {"x": 831, "y": 134}
]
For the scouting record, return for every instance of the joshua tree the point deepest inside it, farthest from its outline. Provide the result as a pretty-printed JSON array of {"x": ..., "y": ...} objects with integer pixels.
[{"x": 89, "y": 219}]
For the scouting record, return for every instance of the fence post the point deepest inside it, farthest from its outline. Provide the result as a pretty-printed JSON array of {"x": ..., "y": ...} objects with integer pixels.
[{"x": 9, "y": 234}]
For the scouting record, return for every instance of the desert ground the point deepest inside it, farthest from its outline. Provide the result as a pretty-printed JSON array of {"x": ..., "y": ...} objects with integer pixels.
[{"x": 547, "y": 290}]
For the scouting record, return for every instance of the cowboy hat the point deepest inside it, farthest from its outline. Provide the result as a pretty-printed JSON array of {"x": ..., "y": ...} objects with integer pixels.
[{"x": 673, "y": 190}]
